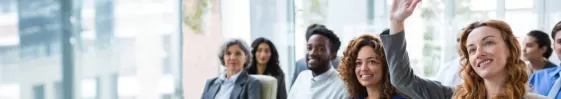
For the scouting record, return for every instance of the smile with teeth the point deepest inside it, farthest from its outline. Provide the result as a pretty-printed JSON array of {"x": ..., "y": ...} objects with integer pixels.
[
  {"x": 363, "y": 76},
  {"x": 484, "y": 63}
]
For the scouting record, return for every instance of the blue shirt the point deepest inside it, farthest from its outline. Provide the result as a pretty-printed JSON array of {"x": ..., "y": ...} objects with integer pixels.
[
  {"x": 227, "y": 85},
  {"x": 542, "y": 81}
]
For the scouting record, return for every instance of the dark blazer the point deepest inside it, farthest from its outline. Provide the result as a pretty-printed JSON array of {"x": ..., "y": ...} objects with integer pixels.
[
  {"x": 301, "y": 65},
  {"x": 246, "y": 87}
]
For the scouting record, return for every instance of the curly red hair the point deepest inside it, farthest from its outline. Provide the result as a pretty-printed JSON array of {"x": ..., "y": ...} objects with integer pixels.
[
  {"x": 347, "y": 67},
  {"x": 516, "y": 82}
]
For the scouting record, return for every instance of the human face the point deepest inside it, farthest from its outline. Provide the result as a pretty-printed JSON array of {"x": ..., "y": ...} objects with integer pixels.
[
  {"x": 557, "y": 44},
  {"x": 487, "y": 51},
  {"x": 318, "y": 52},
  {"x": 368, "y": 69},
  {"x": 531, "y": 49},
  {"x": 234, "y": 58},
  {"x": 263, "y": 53}
]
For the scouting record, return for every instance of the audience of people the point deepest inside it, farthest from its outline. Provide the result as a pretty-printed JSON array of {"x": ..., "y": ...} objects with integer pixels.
[{"x": 491, "y": 65}]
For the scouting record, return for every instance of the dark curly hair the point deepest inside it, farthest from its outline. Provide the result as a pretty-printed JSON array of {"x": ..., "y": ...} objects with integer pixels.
[
  {"x": 348, "y": 65},
  {"x": 322, "y": 30}
]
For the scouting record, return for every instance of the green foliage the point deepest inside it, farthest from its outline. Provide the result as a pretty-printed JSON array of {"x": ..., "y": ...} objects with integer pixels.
[{"x": 194, "y": 21}]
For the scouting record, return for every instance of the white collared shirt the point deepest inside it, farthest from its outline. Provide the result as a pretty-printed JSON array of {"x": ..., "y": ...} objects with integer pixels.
[
  {"x": 227, "y": 85},
  {"x": 324, "y": 86},
  {"x": 448, "y": 75}
]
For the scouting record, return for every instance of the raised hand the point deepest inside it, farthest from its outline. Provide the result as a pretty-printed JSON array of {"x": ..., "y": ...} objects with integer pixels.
[{"x": 401, "y": 9}]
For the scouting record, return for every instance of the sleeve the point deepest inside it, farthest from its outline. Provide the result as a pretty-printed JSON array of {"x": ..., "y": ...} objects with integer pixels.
[
  {"x": 255, "y": 90},
  {"x": 207, "y": 85},
  {"x": 403, "y": 77},
  {"x": 281, "y": 89}
]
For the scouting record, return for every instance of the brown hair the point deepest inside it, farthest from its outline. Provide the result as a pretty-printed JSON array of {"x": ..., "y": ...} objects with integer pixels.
[
  {"x": 473, "y": 86},
  {"x": 556, "y": 28},
  {"x": 347, "y": 67}
]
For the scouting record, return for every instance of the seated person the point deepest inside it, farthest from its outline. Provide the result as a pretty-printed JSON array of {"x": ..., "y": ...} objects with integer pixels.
[
  {"x": 365, "y": 70},
  {"x": 235, "y": 82},
  {"x": 301, "y": 64},
  {"x": 266, "y": 62},
  {"x": 546, "y": 81},
  {"x": 321, "y": 81}
]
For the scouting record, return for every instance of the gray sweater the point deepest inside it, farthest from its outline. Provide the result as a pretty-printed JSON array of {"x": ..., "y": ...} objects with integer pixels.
[{"x": 403, "y": 78}]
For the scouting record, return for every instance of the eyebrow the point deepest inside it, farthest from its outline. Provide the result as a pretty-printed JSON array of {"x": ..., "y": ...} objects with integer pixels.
[
  {"x": 367, "y": 58},
  {"x": 484, "y": 38}
]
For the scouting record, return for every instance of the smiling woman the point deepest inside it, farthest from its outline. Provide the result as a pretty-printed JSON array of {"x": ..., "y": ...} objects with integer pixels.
[{"x": 365, "y": 71}]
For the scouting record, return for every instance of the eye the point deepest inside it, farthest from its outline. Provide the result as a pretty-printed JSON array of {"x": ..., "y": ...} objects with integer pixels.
[
  {"x": 358, "y": 63},
  {"x": 309, "y": 48},
  {"x": 471, "y": 51},
  {"x": 371, "y": 62},
  {"x": 489, "y": 43},
  {"x": 238, "y": 54}
]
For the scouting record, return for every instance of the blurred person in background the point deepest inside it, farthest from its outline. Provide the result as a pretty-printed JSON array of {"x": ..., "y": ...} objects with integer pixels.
[
  {"x": 266, "y": 62},
  {"x": 365, "y": 70},
  {"x": 321, "y": 81},
  {"x": 447, "y": 75},
  {"x": 301, "y": 64},
  {"x": 536, "y": 49},
  {"x": 235, "y": 82},
  {"x": 546, "y": 81},
  {"x": 492, "y": 68}
]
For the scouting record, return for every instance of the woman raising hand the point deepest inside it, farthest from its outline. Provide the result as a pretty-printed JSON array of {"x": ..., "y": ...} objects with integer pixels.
[{"x": 491, "y": 67}]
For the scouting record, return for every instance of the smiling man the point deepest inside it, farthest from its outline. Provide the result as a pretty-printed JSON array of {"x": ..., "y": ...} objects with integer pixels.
[{"x": 321, "y": 81}]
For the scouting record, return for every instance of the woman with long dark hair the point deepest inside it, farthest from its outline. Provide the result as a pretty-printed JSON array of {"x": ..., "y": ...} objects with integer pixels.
[{"x": 267, "y": 63}]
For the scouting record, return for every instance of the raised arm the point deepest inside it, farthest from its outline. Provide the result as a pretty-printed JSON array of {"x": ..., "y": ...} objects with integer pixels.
[{"x": 401, "y": 74}]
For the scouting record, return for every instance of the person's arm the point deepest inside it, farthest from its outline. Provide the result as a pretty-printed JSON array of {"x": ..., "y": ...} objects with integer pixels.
[
  {"x": 281, "y": 89},
  {"x": 403, "y": 77},
  {"x": 207, "y": 85},
  {"x": 254, "y": 90}
]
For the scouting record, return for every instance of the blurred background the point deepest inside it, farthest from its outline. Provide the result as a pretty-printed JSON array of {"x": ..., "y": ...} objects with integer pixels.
[{"x": 166, "y": 49}]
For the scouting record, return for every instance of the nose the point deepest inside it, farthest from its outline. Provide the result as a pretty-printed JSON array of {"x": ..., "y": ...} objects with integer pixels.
[
  {"x": 363, "y": 66},
  {"x": 312, "y": 52},
  {"x": 232, "y": 57},
  {"x": 480, "y": 53}
]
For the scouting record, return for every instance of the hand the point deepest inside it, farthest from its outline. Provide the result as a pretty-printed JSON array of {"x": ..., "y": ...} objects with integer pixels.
[{"x": 401, "y": 9}]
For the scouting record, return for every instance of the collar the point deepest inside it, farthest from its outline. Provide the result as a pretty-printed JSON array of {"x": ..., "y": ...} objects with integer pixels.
[
  {"x": 555, "y": 72},
  {"x": 231, "y": 79},
  {"x": 324, "y": 76}
]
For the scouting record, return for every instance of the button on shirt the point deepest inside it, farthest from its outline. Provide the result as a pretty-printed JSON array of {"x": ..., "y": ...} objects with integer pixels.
[
  {"x": 324, "y": 86},
  {"x": 542, "y": 81},
  {"x": 227, "y": 85}
]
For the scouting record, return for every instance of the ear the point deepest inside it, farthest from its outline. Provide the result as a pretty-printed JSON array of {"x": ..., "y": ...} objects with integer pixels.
[
  {"x": 333, "y": 56},
  {"x": 543, "y": 49}
]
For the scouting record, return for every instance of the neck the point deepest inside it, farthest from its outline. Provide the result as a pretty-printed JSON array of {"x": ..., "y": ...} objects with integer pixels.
[
  {"x": 537, "y": 64},
  {"x": 261, "y": 68},
  {"x": 321, "y": 71},
  {"x": 229, "y": 73},
  {"x": 373, "y": 92},
  {"x": 495, "y": 85}
]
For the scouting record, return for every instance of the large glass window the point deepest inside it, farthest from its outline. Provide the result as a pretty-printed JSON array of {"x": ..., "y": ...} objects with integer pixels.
[{"x": 118, "y": 49}]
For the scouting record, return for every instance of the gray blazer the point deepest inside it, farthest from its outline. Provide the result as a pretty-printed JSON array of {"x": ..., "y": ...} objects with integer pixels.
[
  {"x": 301, "y": 65},
  {"x": 246, "y": 87},
  {"x": 403, "y": 78}
]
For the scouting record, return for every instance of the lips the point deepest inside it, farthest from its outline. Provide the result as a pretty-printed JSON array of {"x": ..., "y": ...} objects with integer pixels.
[
  {"x": 484, "y": 63},
  {"x": 366, "y": 76}
]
